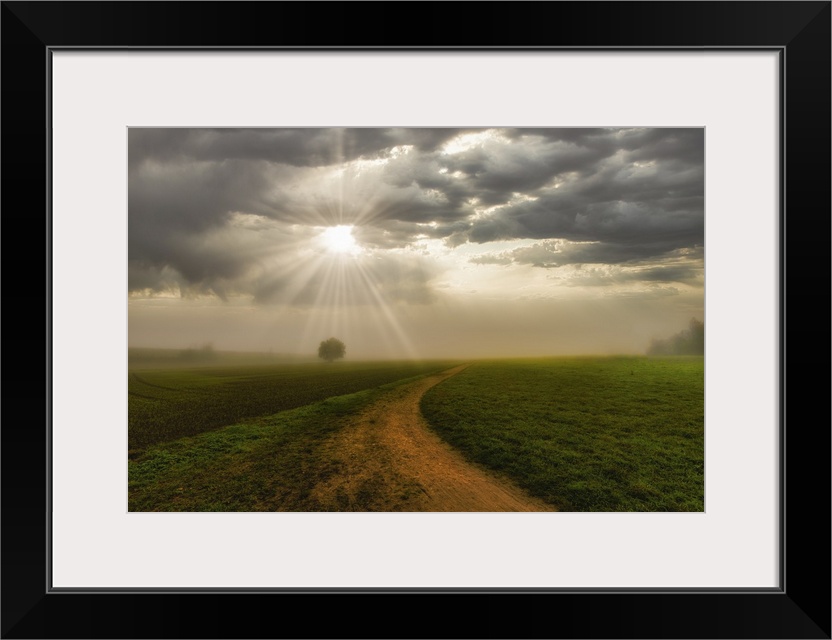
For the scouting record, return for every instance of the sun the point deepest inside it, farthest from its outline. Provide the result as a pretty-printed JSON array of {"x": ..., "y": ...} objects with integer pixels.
[{"x": 340, "y": 240}]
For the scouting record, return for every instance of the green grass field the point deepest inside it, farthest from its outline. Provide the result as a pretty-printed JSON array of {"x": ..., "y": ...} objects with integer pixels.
[
  {"x": 244, "y": 438},
  {"x": 263, "y": 464},
  {"x": 584, "y": 434},
  {"x": 171, "y": 403}
]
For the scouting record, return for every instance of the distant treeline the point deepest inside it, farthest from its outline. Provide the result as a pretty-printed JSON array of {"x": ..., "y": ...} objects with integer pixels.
[
  {"x": 690, "y": 342},
  {"x": 205, "y": 354}
]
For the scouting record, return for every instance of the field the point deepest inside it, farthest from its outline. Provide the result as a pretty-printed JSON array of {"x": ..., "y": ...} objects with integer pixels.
[
  {"x": 579, "y": 434},
  {"x": 171, "y": 403},
  {"x": 243, "y": 438},
  {"x": 584, "y": 434}
]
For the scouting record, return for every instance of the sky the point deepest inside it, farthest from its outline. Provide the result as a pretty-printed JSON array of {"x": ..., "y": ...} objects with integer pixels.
[{"x": 415, "y": 242}]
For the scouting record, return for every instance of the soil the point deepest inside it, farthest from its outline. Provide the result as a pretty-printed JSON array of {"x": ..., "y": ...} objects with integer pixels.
[{"x": 388, "y": 459}]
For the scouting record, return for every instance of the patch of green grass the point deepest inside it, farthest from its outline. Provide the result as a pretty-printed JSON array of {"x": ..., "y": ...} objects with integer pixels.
[
  {"x": 584, "y": 434},
  {"x": 171, "y": 403},
  {"x": 270, "y": 463}
]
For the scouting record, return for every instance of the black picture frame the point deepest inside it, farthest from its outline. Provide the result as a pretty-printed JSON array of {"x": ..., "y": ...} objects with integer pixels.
[{"x": 799, "y": 31}]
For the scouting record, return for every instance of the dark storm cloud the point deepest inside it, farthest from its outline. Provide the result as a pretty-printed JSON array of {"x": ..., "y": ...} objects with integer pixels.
[
  {"x": 614, "y": 202},
  {"x": 175, "y": 213},
  {"x": 626, "y": 195},
  {"x": 494, "y": 172},
  {"x": 308, "y": 147},
  {"x": 637, "y": 192}
]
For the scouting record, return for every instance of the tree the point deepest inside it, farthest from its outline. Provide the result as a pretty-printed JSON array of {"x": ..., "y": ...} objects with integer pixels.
[
  {"x": 331, "y": 349},
  {"x": 690, "y": 342}
]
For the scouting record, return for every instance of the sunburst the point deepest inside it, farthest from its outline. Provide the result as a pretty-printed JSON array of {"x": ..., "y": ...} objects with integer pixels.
[{"x": 339, "y": 239}]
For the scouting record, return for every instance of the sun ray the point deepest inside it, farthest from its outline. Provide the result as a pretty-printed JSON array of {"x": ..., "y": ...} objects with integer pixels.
[
  {"x": 384, "y": 307},
  {"x": 321, "y": 318}
]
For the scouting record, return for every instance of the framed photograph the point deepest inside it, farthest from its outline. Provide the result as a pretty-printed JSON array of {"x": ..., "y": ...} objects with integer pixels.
[
  {"x": 487, "y": 274},
  {"x": 542, "y": 179}
]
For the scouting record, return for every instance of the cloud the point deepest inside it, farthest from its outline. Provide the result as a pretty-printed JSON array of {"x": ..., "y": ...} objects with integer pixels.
[
  {"x": 609, "y": 265},
  {"x": 220, "y": 211},
  {"x": 492, "y": 259},
  {"x": 301, "y": 147},
  {"x": 612, "y": 187}
]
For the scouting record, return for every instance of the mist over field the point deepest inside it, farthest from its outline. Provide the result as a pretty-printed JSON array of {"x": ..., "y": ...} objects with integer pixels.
[{"x": 415, "y": 242}]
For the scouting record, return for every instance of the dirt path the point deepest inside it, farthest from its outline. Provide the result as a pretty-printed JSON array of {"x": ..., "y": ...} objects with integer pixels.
[{"x": 388, "y": 460}]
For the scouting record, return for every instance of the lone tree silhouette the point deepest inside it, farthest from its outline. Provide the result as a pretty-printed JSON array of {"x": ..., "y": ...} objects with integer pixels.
[{"x": 331, "y": 349}]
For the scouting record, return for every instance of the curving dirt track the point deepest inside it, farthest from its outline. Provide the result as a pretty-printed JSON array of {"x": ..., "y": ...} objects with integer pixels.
[{"x": 388, "y": 460}]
